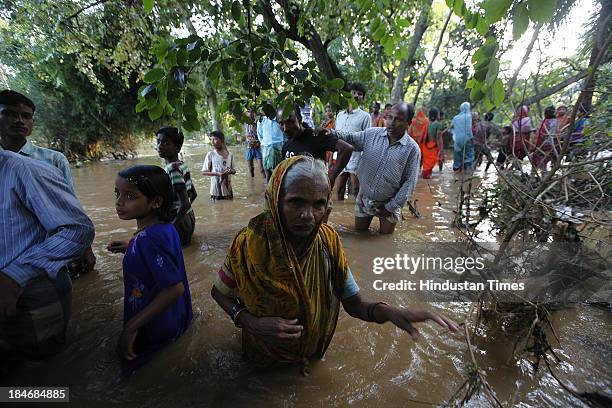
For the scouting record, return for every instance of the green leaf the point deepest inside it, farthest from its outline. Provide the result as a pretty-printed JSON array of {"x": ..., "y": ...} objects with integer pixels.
[
  {"x": 498, "y": 93},
  {"x": 472, "y": 21},
  {"x": 403, "y": 22},
  {"x": 492, "y": 72},
  {"x": 141, "y": 106},
  {"x": 336, "y": 83},
  {"x": 236, "y": 11},
  {"x": 156, "y": 112},
  {"x": 301, "y": 75},
  {"x": 281, "y": 38},
  {"x": 290, "y": 54},
  {"x": 496, "y": 9},
  {"x": 161, "y": 50},
  {"x": 148, "y": 5},
  {"x": 459, "y": 7},
  {"x": 488, "y": 104},
  {"x": 379, "y": 33},
  {"x": 541, "y": 10},
  {"x": 450, "y": 3},
  {"x": 476, "y": 94},
  {"x": 520, "y": 21},
  {"x": 154, "y": 75},
  {"x": 478, "y": 55},
  {"x": 482, "y": 26}
]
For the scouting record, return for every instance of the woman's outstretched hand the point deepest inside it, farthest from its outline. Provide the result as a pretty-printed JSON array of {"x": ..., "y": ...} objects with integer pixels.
[{"x": 403, "y": 318}]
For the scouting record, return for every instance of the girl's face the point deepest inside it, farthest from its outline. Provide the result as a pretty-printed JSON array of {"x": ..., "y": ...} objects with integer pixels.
[
  {"x": 130, "y": 203},
  {"x": 216, "y": 142},
  {"x": 329, "y": 113}
]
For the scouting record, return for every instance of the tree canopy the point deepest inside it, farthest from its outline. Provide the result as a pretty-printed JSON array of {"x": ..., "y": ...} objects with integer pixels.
[{"x": 107, "y": 71}]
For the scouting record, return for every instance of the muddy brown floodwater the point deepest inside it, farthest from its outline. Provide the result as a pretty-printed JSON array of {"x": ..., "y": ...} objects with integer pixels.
[{"x": 366, "y": 365}]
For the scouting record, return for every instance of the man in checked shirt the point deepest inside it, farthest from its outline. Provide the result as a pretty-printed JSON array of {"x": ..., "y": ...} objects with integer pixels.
[{"x": 388, "y": 170}]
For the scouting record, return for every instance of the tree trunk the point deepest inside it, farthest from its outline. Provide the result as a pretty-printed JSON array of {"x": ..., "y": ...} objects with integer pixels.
[
  {"x": 512, "y": 80},
  {"x": 399, "y": 87},
  {"x": 601, "y": 33},
  {"x": 422, "y": 81},
  {"x": 309, "y": 38},
  {"x": 326, "y": 65}
]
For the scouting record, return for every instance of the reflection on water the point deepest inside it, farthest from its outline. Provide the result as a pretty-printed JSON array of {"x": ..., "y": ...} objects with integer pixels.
[{"x": 366, "y": 364}]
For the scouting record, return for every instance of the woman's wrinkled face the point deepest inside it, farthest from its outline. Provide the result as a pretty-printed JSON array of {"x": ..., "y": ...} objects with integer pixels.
[{"x": 302, "y": 206}]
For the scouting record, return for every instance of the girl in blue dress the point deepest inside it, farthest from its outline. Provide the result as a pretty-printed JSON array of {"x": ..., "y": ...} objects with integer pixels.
[{"x": 157, "y": 303}]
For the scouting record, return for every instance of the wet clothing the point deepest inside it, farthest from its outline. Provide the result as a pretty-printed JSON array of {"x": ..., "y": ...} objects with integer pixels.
[
  {"x": 253, "y": 150},
  {"x": 38, "y": 329},
  {"x": 365, "y": 208},
  {"x": 430, "y": 149},
  {"x": 154, "y": 262},
  {"x": 463, "y": 149},
  {"x": 180, "y": 177},
  {"x": 545, "y": 144},
  {"x": 264, "y": 273},
  {"x": 43, "y": 227},
  {"x": 308, "y": 144},
  {"x": 387, "y": 173},
  {"x": 220, "y": 186},
  {"x": 521, "y": 125},
  {"x": 49, "y": 156},
  {"x": 42, "y": 224}
]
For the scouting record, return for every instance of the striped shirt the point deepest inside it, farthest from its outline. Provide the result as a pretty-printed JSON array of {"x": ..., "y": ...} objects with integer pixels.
[
  {"x": 387, "y": 173},
  {"x": 180, "y": 176},
  {"x": 42, "y": 224},
  {"x": 52, "y": 157},
  {"x": 353, "y": 121}
]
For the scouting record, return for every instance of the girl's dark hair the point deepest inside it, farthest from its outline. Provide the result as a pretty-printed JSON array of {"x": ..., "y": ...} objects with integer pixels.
[
  {"x": 549, "y": 112},
  {"x": 173, "y": 134},
  {"x": 433, "y": 114},
  {"x": 218, "y": 134},
  {"x": 489, "y": 116},
  {"x": 152, "y": 181}
]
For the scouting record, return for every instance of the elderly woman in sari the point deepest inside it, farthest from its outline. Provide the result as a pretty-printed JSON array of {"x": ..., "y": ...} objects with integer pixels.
[{"x": 286, "y": 274}]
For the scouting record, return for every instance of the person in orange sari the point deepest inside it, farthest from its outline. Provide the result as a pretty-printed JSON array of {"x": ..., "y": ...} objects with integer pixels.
[
  {"x": 418, "y": 126},
  {"x": 286, "y": 274},
  {"x": 432, "y": 148}
]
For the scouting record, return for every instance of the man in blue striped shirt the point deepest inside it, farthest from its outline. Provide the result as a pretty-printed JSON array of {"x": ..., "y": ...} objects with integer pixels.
[
  {"x": 16, "y": 123},
  {"x": 42, "y": 228}
]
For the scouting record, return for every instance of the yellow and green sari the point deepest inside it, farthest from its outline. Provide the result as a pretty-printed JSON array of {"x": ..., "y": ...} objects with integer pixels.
[{"x": 262, "y": 270}]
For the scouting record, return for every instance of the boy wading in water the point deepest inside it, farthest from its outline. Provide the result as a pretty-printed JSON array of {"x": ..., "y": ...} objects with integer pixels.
[
  {"x": 169, "y": 144},
  {"x": 219, "y": 165}
]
